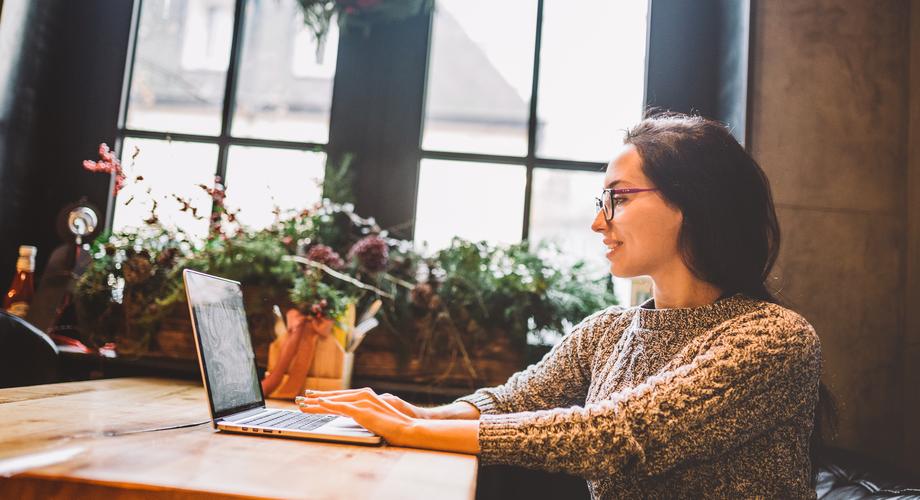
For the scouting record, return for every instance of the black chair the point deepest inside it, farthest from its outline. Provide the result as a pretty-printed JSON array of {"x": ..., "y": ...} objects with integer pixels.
[
  {"x": 848, "y": 475},
  {"x": 27, "y": 356}
]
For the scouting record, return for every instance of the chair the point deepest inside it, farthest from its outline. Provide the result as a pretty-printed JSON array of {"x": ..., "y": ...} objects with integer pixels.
[
  {"x": 844, "y": 474},
  {"x": 27, "y": 356}
]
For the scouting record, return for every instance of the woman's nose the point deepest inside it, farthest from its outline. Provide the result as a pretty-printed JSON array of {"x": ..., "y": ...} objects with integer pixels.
[{"x": 599, "y": 224}]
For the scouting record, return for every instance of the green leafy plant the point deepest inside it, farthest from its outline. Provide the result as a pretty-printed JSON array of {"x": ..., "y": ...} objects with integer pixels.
[
  {"x": 124, "y": 292},
  {"x": 314, "y": 298},
  {"x": 473, "y": 294},
  {"x": 460, "y": 302}
]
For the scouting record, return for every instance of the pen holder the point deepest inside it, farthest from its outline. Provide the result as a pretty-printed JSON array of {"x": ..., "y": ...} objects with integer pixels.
[
  {"x": 331, "y": 368},
  {"x": 319, "y": 362}
]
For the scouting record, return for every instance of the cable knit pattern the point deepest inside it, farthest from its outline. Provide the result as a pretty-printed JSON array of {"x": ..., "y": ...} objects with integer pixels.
[{"x": 712, "y": 401}]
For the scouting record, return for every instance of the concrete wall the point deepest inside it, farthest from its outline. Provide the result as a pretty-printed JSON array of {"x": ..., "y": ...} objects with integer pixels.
[
  {"x": 830, "y": 94},
  {"x": 911, "y": 355}
]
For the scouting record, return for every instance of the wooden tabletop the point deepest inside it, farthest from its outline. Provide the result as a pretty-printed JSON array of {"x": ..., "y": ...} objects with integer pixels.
[{"x": 96, "y": 439}]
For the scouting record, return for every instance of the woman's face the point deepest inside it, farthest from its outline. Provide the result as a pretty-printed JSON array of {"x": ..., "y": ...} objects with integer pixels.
[{"x": 641, "y": 239}]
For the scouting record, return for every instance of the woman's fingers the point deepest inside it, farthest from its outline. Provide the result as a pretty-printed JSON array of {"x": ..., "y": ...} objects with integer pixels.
[
  {"x": 356, "y": 397},
  {"x": 366, "y": 394},
  {"x": 323, "y": 394},
  {"x": 343, "y": 396},
  {"x": 372, "y": 414},
  {"x": 353, "y": 399}
]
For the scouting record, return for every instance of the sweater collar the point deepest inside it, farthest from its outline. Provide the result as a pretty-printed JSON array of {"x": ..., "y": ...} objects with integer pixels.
[{"x": 704, "y": 316}]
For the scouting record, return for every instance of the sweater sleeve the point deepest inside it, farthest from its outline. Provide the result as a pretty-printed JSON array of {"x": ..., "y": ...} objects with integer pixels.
[
  {"x": 748, "y": 381},
  {"x": 561, "y": 378}
]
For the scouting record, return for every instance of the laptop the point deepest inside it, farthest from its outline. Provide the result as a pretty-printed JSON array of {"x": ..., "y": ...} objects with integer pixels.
[{"x": 228, "y": 369}]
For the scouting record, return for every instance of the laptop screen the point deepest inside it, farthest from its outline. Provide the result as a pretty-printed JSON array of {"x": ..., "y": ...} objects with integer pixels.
[{"x": 225, "y": 348}]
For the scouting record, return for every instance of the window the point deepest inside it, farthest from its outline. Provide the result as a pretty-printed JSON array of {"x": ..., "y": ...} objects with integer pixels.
[
  {"x": 265, "y": 138},
  {"x": 526, "y": 103}
]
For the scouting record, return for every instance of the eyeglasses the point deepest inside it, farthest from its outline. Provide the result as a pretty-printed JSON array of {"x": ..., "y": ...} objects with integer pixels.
[{"x": 608, "y": 201}]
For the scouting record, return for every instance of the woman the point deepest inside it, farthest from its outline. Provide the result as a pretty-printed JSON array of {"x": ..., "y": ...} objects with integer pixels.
[{"x": 708, "y": 389}]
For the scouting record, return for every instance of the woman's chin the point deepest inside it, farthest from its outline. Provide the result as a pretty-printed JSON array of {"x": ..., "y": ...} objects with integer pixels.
[{"x": 619, "y": 270}]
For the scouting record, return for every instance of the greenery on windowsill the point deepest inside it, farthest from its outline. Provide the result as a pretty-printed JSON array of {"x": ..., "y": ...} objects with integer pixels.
[{"x": 456, "y": 303}]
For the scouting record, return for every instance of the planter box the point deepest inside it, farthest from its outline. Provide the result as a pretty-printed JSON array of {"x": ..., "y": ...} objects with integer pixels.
[
  {"x": 493, "y": 363},
  {"x": 379, "y": 357}
]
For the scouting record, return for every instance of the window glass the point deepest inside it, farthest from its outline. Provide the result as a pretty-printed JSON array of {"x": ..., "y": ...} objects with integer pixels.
[
  {"x": 561, "y": 213},
  {"x": 285, "y": 85},
  {"x": 261, "y": 179},
  {"x": 171, "y": 173},
  {"x": 480, "y": 76},
  {"x": 476, "y": 201},
  {"x": 180, "y": 66},
  {"x": 562, "y": 209},
  {"x": 592, "y": 77}
]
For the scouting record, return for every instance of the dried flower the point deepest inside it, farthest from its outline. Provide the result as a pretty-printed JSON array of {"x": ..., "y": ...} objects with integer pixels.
[
  {"x": 421, "y": 294},
  {"x": 109, "y": 163},
  {"x": 325, "y": 255},
  {"x": 371, "y": 253},
  {"x": 167, "y": 257},
  {"x": 186, "y": 206},
  {"x": 218, "y": 194},
  {"x": 153, "y": 219},
  {"x": 137, "y": 269}
]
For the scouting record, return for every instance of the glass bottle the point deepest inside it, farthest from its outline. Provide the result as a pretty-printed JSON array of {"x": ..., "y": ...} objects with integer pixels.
[{"x": 19, "y": 297}]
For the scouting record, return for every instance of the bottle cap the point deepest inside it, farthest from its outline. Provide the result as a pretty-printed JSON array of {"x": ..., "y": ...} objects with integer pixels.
[{"x": 27, "y": 251}]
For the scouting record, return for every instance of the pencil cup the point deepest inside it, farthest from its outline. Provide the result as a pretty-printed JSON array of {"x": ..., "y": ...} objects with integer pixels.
[
  {"x": 316, "y": 358},
  {"x": 332, "y": 366}
]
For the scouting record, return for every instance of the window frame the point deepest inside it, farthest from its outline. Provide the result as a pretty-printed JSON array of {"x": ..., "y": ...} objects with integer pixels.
[
  {"x": 224, "y": 140},
  {"x": 530, "y": 160},
  {"x": 386, "y": 58}
]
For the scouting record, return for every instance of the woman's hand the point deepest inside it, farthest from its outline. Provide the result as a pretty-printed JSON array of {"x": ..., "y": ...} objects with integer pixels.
[
  {"x": 398, "y": 422},
  {"x": 385, "y": 415},
  {"x": 408, "y": 409}
]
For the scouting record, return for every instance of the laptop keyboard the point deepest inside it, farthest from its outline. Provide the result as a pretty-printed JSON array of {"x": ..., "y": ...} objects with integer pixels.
[{"x": 285, "y": 419}]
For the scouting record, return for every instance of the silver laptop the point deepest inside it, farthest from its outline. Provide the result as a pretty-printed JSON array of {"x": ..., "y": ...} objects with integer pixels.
[{"x": 228, "y": 369}]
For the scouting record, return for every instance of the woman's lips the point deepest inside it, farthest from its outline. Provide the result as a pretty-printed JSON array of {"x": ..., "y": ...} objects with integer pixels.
[{"x": 612, "y": 247}]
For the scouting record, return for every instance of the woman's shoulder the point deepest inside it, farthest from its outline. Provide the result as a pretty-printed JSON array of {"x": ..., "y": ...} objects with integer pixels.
[
  {"x": 760, "y": 318},
  {"x": 601, "y": 321},
  {"x": 605, "y": 316}
]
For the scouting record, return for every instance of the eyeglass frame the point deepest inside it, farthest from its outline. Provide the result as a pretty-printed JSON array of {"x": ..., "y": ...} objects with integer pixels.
[{"x": 599, "y": 202}]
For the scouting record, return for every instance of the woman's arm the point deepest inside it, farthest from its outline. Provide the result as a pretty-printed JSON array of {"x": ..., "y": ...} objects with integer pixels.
[
  {"x": 558, "y": 380},
  {"x": 748, "y": 382},
  {"x": 458, "y": 410}
]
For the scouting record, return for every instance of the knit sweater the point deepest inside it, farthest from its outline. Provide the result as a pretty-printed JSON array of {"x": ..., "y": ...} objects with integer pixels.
[{"x": 713, "y": 401}]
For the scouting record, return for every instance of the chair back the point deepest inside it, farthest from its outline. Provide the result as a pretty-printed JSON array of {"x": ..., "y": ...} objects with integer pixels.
[{"x": 27, "y": 356}]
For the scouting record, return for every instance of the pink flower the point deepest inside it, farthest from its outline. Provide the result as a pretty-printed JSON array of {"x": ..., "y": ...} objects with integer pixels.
[
  {"x": 371, "y": 253},
  {"x": 108, "y": 163},
  {"x": 325, "y": 255}
]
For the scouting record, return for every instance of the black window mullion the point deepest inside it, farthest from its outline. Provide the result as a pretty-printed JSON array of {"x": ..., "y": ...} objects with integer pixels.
[
  {"x": 572, "y": 165},
  {"x": 230, "y": 86},
  {"x": 129, "y": 64},
  {"x": 123, "y": 104},
  {"x": 532, "y": 123},
  {"x": 473, "y": 157}
]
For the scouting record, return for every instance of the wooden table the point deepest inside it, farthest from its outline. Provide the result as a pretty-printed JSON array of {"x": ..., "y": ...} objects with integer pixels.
[{"x": 95, "y": 433}]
